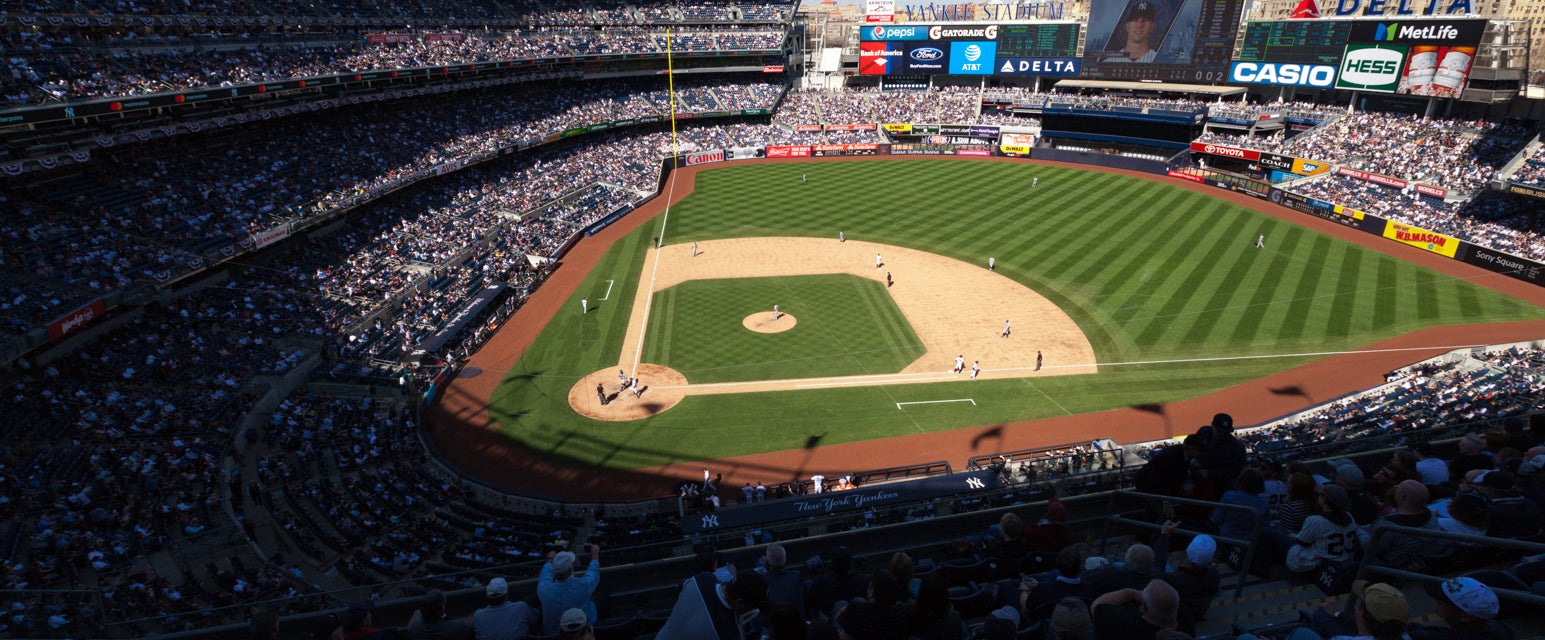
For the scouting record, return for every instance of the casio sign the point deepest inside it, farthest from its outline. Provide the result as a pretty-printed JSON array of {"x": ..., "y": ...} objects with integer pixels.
[
  {"x": 1296, "y": 75},
  {"x": 927, "y": 54}
]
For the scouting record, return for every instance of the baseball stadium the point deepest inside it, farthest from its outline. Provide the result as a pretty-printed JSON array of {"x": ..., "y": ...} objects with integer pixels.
[{"x": 1061, "y": 319}]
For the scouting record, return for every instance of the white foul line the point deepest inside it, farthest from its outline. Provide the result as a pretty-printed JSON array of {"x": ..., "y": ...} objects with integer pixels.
[
  {"x": 609, "y": 284},
  {"x": 973, "y": 402}
]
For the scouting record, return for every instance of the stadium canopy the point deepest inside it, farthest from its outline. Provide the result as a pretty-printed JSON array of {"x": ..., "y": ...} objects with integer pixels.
[{"x": 1207, "y": 90}]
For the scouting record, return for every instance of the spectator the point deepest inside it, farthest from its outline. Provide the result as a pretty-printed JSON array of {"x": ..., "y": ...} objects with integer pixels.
[
  {"x": 1472, "y": 455},
  {"x": 840, "y": 585},
  {"x": 1403, "y": 551},
  {"x": 882, "y": 616},
  {"x": 1467, "y": 514},
  {"x": 1330, "y": 537},
  {"x": 1434, "y": 470},
  {"x": 1012, "y": 546},
  {"x": 1196, "y": 579},
  {"x": 783, "y": 584},
  {"x": 559, "y": 589},
  {"x": 1363, "y": 507},
  {"x": 357, "y": 625},
  {"x": 1125, "y": 614},
  {"x": 1248, "y": 492},
  {"x": 1302, "y": 502},
  {"x": 430, "y": 623},
  {"x": 711, "y": 610},
  {"x": 575, "y": 625},
  {"x": 1135, "y": 572},
  {"x": 1468, "y": 607},
  {"x": 1037, "y": 593},
  {"x": 1051, "y": 532},
  {"x": 1225, "y": 456},
  {"x": 1169, "y": 471},
  {"x": 501, "y": 619},
  {"x": 1511, "y": 514},
  {"x": 933, "y": 617},
  {"x": 1070, "y": 621},
  {"x": 1380, "y": 612},
  {"x": 785, "y": 623}
]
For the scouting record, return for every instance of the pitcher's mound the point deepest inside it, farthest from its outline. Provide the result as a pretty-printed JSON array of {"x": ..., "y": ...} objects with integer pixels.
[
  {"x": 621, "y": 405},
  {"x": 763, "y": 322}
]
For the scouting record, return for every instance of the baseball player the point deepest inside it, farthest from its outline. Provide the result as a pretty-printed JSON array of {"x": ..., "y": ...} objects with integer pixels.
[
  {"x": 776, "y": 313},
  {"x": 638, "y": 389},
  {"x": 976, "y": 368},
  {"x": 622, "y": 381},
  {"x": 1035, "y": 182},
  {"x": 1005, "y": 328},
  {"x": 992, "y": 263},
  {"x": 600, "y": 392},
  {"x": 804, "y": 177},
  {"x": 841, "y": 237},
  {"x": 1260, "y": 241},
  {"x": 817, "y": 481},
  {"x": 1037, "y": 359},
  {"x": 960, "y": 363},
  {"x": 584, "y": 305},
  {"x": 694, "y": 249},
  {"x": 878, "y": 261},
  {"x": 888, "y": 281}
]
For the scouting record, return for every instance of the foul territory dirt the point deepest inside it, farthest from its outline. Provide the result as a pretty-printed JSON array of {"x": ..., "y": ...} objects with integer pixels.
[{"x": 462, "y": 430}]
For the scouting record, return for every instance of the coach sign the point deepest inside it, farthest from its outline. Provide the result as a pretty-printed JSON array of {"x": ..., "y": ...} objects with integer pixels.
[{"x": 833, "y": 502}]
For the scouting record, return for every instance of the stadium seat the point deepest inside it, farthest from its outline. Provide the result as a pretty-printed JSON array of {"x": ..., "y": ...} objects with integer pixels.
[
  {"x": 616, "y": 628},
  {"x": 959, "y": 572},
  {"x": 970, "y": 601}
]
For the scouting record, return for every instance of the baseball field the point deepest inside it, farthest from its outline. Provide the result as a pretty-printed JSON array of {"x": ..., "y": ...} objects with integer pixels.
[{"x": 1139, "y": 294}]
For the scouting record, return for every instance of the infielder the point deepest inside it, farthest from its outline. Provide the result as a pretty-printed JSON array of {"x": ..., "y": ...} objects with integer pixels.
[
  {"x": 975, "y": 369},
  {"x": 878, "y": 261},
  {"x": 776, "y": 313},
  {"x": 1260, "y": 241},
  {"x": 992, "y": 263},
  {"x": 1037, "y": 359},
  {"x": 694, "y": 249},
  {"x": 622, "y": 381},
  {"x": 841, "y": 237},
  {"x": 1005, "y": 328},
  {"x": 960, "y": 363}
]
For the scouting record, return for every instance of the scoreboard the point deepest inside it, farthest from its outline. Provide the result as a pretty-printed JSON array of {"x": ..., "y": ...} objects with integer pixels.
[
  {"x": 1047, "y": 40},
  {"x": 1295, "y": 41}
]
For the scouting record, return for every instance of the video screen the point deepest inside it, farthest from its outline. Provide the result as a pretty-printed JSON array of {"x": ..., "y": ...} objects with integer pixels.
[{"x": 1164, "y": 40}]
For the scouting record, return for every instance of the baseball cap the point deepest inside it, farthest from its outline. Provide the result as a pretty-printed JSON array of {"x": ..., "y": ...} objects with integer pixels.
[
  {"x": 1202, "y": 550},
  {"x": 1335, "y": 496},
  {"x": 498, "y": 587},
  {"x": 573, "y": 620},
  {"x": 1386, "y": 603},
  {"x": 1058, "y": 512},
  {"x": 1468, "y": 594},
  {"x": 563, "y": 562},
  {"x": 1351, "y": 473},
  {"x": 1071, "y": 616},
  {"x": 1221, "y": 422},
  {"x": 1007, "y": 612},
  {"x": 1142, "y": 9},
  {"x": 1496, "y": 480}
]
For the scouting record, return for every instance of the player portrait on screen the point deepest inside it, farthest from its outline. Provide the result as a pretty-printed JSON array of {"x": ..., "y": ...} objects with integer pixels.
[{"x": 1144, "y": 31}]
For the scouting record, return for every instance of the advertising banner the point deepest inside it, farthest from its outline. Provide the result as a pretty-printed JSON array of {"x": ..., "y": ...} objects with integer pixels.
[
  {"x": 264, "y": 238},
  {"x": 1371, "y": 177},
  {"x": 788, "y": 152},
  {"x": 850, "y": 127},
  {"x": 832, "y": 502},
  {"x": 1421, "y": 238},
  {"x": 1276, "y": 161},
  {"x": 1425, "y": 32},
  {"x": 388, "y": 38},
  {"x": 1317, "y": 208},
  {"x": 1526, "y": 190},
  {"x": 1308, "y": 167},
  {"x": 972, "y": 58},
  {"x": 1225, "y": 151},
  {"x": 1509, "y": 265},
  {"x": 887, "y": 33},
  {"x": 1283, "y": 74},
  {"x": 1038, "y": 66},
  {"x": 71, "y": 322},
  {"x": 866, "y": 149},
  {"x": 807, "y": 127},
  {"x": 1185, "y": 176},
  {"x": 973, "y": 152},
  {"x": 1372, "y": 67},
  {"x": 879, "y": 10},
  {"x": 717, "y": 155},
  {"x": 444, "y": 37},
  {"x": 1429, "y": 190},
  {"x": 899, "y": 128},
  {"x": 772, "y": 68},
  {"x": 880, "y": 58},
  {"x": 922, "y": 150},
  {"x": 1016, "y": 144}
]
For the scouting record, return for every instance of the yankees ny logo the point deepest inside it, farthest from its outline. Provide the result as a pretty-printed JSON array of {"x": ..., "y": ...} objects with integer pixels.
[
  {"x": 710, "y": 521},
  {"x": 69, "y": 112},
  {"x": 975, "y": 483}
]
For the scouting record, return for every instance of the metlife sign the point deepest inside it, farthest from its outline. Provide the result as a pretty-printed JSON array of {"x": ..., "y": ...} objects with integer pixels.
[
  {"x": 1291, "y": 75},
  {"x": 1037, "y": 66},
  {"x": 1427, "y": 32},
  {"x": 1371, "y": 67},
  {"x": 972, "y": 58}
]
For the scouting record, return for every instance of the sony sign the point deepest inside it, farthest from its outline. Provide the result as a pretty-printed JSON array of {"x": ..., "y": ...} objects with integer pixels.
[{"x": 1293, "y": 75}]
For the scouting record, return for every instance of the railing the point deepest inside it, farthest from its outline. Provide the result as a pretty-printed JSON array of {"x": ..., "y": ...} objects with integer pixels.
[
  {"x": 1367, "y": 567},
  {"x": 1249, "y": 545}
]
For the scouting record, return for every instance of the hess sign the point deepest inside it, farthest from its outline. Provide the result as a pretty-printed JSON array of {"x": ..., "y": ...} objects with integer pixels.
[{"x": 1293, "y": 75}]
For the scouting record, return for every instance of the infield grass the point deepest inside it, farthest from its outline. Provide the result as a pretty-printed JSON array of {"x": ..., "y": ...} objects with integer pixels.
[
  {"x": 846, "y": 326},
  {"x": 1150, "y": 272}
]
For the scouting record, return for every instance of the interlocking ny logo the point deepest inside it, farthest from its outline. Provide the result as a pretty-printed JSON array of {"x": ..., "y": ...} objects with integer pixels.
[
  {"x": 975, "y": 483},
  {"x": 710, "y": 521}
]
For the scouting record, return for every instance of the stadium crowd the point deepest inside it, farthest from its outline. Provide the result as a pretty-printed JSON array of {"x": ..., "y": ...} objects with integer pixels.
[{"x": 1509, "y": 225}]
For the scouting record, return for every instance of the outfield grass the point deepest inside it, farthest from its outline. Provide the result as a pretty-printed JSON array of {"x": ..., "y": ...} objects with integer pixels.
[
  {"x": 1151, "y": 272},
  {"x": 846, "y": 326}
]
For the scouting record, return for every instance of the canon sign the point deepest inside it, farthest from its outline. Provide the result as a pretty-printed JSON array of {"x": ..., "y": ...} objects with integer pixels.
[{"x": 1293, "y": 75}]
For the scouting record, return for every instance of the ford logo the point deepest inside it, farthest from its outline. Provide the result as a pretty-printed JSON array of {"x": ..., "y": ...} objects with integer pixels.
[{"x": 927, "y": 53}]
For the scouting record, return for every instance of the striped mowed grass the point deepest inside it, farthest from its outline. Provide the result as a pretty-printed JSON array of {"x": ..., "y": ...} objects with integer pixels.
[
  {"x": 1149, "y": 271},
  {"x": 847, "y": 326}
]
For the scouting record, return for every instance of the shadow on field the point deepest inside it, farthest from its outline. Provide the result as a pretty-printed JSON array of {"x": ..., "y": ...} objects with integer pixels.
[{"x": 1158, "y": 410}]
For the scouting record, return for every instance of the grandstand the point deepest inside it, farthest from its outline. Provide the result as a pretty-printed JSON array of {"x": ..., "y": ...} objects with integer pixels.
[{"x": 252, "y": 247}]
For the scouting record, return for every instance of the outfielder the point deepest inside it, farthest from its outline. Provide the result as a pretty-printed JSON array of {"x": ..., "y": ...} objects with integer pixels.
[
  {"x": 1035, "y": 182},
  {"x": 1260, "y": 241},
  {"x": 584, "y": 305},
  {"x": 804, "y": 177}
]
